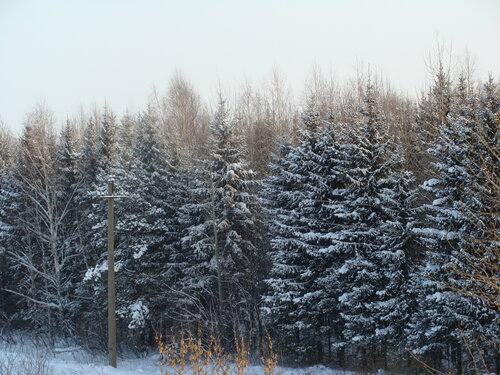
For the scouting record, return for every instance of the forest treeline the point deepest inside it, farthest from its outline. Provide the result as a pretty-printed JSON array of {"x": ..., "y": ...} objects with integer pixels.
[{"x": 359, "y": 230}]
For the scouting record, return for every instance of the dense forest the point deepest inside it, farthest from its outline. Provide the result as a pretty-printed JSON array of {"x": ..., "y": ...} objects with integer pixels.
[{"x": 357, "y": 227}]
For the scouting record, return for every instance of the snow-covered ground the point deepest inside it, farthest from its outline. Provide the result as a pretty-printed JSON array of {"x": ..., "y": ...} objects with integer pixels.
[{"x": 74, "y": 361}]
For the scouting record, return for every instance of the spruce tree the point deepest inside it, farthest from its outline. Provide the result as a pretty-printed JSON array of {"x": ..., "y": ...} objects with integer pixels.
[
  {"x": 282, "y": 195},
  {"x": 100, "y": 162},
  {"x": 67, "y": 185},
  {"x": 10, "y": 237},
  {"x": 226, "y": 246},
  {"x": 447, "y": 317},
  {"x": 375, "y": 239},
  {"x": 302, "y": 200},
  {"x": 149, "y": 231}
]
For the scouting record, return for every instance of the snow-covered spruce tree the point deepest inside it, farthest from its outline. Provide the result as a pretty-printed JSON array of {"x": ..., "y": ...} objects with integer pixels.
[
  {"x": 432, "y": 111},
  {"x": 7, "y": 237},
  {"x": 100, "y": 152},
  {"x": 225, "y": 244},
  {"x": 68, "y": 180},
  {"x": 481, "y": 198},
  {"x": 87, "y": 170},
  {"x": 9, "y": 232},
  {"x": 149, "y": 233},
  {"x": 375, "y": 240},
  {"x": 454, "y": 239},
  {"x": 195, "y": 290},
  {"x": 282, "y": 194},
  {"x": 91, "y": 323},
  {"x": 301, "y": 199},
  {"x": 483, "y": 207},
  {"x": 322, "y": 159}
]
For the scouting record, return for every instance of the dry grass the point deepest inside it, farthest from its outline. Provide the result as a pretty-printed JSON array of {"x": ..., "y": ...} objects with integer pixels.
[{"x": 182, "y": 354}]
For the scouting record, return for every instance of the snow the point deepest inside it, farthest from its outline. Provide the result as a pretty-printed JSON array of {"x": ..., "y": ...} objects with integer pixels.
[
  {"x": 95, "y": 272},
  {"x": 141, "y": 249},
  {"x": 138, "y": 314},
  {"x": 76, "y": 361}
]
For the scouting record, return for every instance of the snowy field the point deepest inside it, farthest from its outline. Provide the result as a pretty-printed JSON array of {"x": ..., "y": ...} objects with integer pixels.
[{"x": 26, "y": 359}]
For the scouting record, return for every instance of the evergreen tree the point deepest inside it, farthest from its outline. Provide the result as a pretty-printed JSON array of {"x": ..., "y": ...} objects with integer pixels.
[
  {"x": 374, "y": 243},
  {"x": 432, "y": 111},
  {"x": 7, "y": 230},
  {"x": 149, "y": 232},
  {"x": 10, "y": 236},
  {"x": 87, "y": 171},
  {"x": 68, "y": 181},
  {"x": 100, "y": 162},
  {"x": 302, "y": 200},
  {"x": 446, "y": 317},
  {"x": 227, "y": 248},
  {"x": 282, "y": 196}
]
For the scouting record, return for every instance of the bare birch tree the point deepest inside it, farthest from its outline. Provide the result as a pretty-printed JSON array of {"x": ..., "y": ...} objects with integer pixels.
[{"x": 43, "y": 253}]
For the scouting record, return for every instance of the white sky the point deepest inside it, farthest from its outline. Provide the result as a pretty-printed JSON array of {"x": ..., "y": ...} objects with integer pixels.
[{"x": 69, "y": 53}]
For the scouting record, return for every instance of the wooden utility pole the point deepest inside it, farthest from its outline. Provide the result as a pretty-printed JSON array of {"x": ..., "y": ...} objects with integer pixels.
[{"x": 111, "y": 272}]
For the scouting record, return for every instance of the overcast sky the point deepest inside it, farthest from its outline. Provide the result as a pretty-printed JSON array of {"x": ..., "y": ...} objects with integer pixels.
[{"x": 69, "y": 53}]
